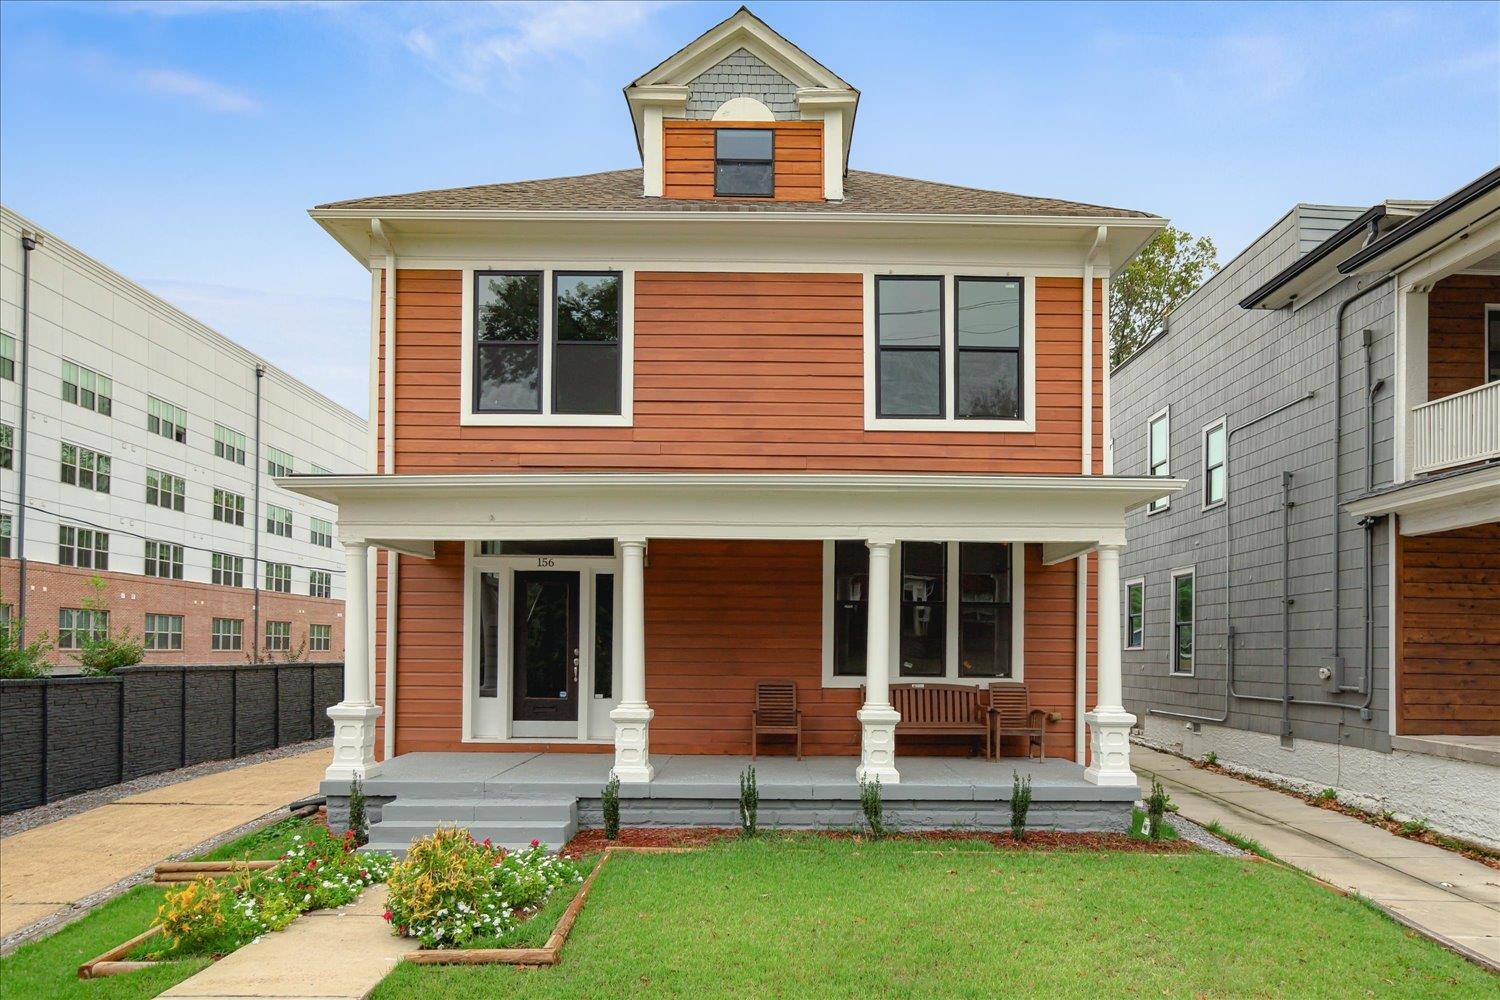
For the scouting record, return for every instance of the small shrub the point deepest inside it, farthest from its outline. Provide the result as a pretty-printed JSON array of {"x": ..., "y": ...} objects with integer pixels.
[
  {"x": 18, "y": 661},
  {"x": 359, "y": 823},
  {"x": 609, "y": 800},
  {"x": 1328, "y": 795},
  {"x": 1156, "y": 807},
  {"x": 193, "y": 918},
  {"x": 873, "y": 807},
  {"x": 101, "y": 655},
  {"x": 1414, "y": 828},
  {"x": 1210, "y": 758},
  {"x": 452, "y": 890},
  {"x": 1020, "y": 804},
  {"x": 749, "y": 801}
]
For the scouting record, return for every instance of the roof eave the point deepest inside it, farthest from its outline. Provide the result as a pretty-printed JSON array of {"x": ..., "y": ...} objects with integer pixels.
[
  {"x": 590, "y": 215},
  {"x": 1401, "y": 244}
]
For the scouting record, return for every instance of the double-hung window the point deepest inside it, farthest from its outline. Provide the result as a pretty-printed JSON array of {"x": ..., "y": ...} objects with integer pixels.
[
  {"x": 1214, "y": 475},
  {"x": 909, "y": 346},
  {"x": 1159, "y": 454},
  {"x": 744, "y": 162},
  {"x": 1184, "y": 621},
  {"x": 988, "y": 381},
  {"x": 563, "y": 360},
  {"x": 1135, "y": 614},
  {"x": 7, "y": 357}
]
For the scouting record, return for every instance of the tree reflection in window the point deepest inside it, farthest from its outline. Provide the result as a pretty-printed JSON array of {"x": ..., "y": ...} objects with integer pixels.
[{"x": 508, "y": 342}]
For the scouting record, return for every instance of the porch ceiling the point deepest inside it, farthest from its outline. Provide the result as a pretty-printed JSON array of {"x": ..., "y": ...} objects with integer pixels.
[{"x": 399, "y": 510}]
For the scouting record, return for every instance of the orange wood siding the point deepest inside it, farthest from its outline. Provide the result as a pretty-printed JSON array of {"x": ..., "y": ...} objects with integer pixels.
[
  {"x": 1455, "y": 332},
  {"x": 1448, "y": 676},
  {"x": 736, "y": 372},
  {"x": 719, "y": 617},
  {"x": 688, "y": 158}
]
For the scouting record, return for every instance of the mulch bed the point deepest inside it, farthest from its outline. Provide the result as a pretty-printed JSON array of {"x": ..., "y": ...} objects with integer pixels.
[
  {"x": 1474, "y": 852},
  {"x": 592, "y": 841}
]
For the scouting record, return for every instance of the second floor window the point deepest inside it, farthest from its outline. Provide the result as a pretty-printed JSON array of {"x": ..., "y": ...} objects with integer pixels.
[
  {"x": 909, "y": 346},
  {"x": 229, "y": 507},
  {"x": 1214, "y": 481},
  {"x": 278, "y": 521},
  {"x": 278, "y": 462},
  {"x": 83, "y": 547},
  {"x": 163, "y": 559},
  {"x": 229, "y": 444},
  {"x": 321, "y": 532},
  {"x": 85, "y": 468},
  {"x": 7, "y": 446},
  {"x": 165, "y": 419},
  {"x": 524, "y": 365},
  {"x": 1159, "y": 453},
  {"x": 744, "y": 162},
  {"x": 7, "y": 357},
  {"x": 988, "y": 361},
  {"x": 165, "y": 490},
  {"x": 319, "y": 583},
  {"x": 5, "y": 530},
  {"x": 87, "y": 388},
  {"x": 228, "y": 570},
  {"x": 279, "y": 577}
]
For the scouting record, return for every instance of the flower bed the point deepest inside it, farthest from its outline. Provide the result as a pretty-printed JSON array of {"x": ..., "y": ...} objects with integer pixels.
[
  {"x": 590, "y": 841},
  {"x": 452, "y": 891}
]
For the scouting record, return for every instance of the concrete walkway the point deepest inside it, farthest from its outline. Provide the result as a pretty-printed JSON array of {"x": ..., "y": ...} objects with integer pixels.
[
  {"x": 1443, "y": 895},
  {"x": 46, "y": 870},
  {"x": 294, "y": 963}
]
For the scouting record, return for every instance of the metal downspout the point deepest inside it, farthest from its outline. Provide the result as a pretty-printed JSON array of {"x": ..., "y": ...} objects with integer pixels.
[
  {"x": 29, "y": 242},
  {"x": 1287, "y": 503}
]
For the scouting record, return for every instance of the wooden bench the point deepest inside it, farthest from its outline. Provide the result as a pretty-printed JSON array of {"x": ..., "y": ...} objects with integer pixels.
[
  {"x": 940, "y": 710},
  {"x": 1011, "y": 714}
]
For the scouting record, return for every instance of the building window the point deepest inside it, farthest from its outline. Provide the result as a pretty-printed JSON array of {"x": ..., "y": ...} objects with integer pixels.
[
  {"x": 851, "y": 607},
  {"x": 1214, "y": 475},
  {"x": 279, "y": 577},
  {"x": 165, "y": 490},
  {"x": 586, "y": 355},
  {"x": 315, "y": 469},
  {"x": 163, "y": 632},
  {"x": 229, "y": 507},
  {"x": 1158, "y": 453},
  {"x": 1135, "y": 614},
  {"x": 7, "y": 357},
  {"x": 319, "y": 583},
  {"x": 229, "y": 444},
  {"x": 5, "y": 620},
  {"x": 1184, "y": 621},
  {"x": 228, "y": 571},
  {"x": 924, "y": 616},
  {"x": 82, "y": 547},
  {"x": 278, "y": 637},
  {"x": 744, "y": 162},
  {"x": 320, "y": 638},
  {"x": 87, "y": 388},
  {"x": 321, "y": 532},
  {"x": 78, "y": 626},
  {"x": 278, "y": 521},
  {"x": 1492, "y": 344},
  {"x": 165, "y": 419},
  {"x": 984, "y": 613},
  {"x": 5, "y": 536},
  {"x": 7, "y": 446},
  {"x": 988, "y": 322},
  {"x": 163, "y": 559},
  {"x": 85, "y": 468},
  {"x": 278, "y": 462},
  {"x": 507, "y": 342},
  {"x": 909, "y": 346},
  {"x": 228, "y": 634}
]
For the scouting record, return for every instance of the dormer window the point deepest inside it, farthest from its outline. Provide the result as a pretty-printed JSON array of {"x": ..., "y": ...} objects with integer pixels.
[{"x": 743, "y": 163}]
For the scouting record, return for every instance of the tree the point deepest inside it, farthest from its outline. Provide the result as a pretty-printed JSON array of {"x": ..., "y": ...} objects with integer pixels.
[{"x": 1166, "y": 271}]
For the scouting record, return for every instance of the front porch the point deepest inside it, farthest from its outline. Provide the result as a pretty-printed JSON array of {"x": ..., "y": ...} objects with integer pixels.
[{"x": 515, "y": 797}]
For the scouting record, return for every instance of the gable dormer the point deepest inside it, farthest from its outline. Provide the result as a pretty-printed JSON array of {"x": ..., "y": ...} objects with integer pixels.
[{"x": 741, "y": 112}]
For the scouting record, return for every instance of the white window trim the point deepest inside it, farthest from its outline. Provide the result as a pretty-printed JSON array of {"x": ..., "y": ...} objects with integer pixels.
[
  {"x": 1222, "y": 422},
  {"x": 951, "y": 587},
  {"x": 1177, "y": 574},
  {"x": 949, "y": 422},
  {"x": 1139, "y": 581},
  {"x": 625, "y": 418},
  {"x": 1165, "y": 503}
]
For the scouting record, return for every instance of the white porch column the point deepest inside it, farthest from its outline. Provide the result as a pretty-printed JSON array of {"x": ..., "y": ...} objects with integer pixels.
[
  {"x": 877, "y": 719},
  {"x": 633, "y": 716},
  {"x": 1109, "y": 723},
  {"x": 354, "y": 717}
]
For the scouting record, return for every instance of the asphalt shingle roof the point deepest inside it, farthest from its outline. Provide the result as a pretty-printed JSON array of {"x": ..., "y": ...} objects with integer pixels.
[{"x": 620, "y": 191}]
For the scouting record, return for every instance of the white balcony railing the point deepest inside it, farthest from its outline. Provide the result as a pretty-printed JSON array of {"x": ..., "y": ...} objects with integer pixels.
[{"x": 1456, "y": 430}]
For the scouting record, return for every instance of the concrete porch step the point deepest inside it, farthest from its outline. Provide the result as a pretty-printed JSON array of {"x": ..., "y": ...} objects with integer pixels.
[{"x": 512, "y": 823}]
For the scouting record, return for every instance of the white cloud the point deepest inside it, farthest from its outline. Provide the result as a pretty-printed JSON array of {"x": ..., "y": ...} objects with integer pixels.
[{"x": 205, "y": 93}]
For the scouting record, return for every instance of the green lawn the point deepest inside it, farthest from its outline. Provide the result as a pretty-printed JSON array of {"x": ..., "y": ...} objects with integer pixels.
[
  {"x": 802, "y": 917},
  {"x": 48, "y": 969}
]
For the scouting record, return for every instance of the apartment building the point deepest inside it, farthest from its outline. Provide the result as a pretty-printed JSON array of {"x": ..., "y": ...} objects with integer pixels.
[{"x": 139, "y": 447}]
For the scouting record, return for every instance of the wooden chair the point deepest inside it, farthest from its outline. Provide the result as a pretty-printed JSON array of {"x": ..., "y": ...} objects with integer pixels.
[
  {"x": 1011, "y": 714},
  {"x": 776, "y": 713}
]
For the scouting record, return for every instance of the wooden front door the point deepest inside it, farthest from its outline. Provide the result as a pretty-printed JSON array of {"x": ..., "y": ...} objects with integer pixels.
[{"x": 545, "y": 651}]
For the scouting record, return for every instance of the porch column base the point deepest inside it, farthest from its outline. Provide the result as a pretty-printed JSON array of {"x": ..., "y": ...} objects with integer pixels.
[
  {"x": 1109, "y": 747},
  {"x": 632, "y": 744},
  {"x": 353, "y": 742},
  {"x": 877, "y": 744}
]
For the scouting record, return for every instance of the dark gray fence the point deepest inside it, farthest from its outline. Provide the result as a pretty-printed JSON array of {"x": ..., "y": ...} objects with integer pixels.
[{"x": 63, "y": 735}]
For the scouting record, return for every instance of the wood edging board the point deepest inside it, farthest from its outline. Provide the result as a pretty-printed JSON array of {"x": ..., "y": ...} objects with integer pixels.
[{"x": 110, "y": 964}]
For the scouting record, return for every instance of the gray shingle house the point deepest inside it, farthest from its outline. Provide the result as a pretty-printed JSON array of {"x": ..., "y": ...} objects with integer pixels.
[{"x": 1322, "y": 604}]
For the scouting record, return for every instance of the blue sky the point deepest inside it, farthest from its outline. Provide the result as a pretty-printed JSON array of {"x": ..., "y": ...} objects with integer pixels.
[{"x": 182, "y": 143}]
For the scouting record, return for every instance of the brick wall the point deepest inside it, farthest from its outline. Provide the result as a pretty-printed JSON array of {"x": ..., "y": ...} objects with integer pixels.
[
  {"x": 65, "y": 735},
  {"x": 130, "y": 598}
]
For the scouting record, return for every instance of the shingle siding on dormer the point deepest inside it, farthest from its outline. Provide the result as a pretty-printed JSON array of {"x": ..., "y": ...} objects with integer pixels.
[{"x": 741, "y": 74}]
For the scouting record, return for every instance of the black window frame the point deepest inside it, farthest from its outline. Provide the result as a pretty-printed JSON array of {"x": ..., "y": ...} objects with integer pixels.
[
  {"x": 937, "y": 616},
  {"x": 540, "y": 343},
  {"x": 550, "y": 386},
  {"x": 941, "y": 348},
  {"x": 1178, "y": 624},
  {"x": 846, "y": 642},
  {"x": 1135, "y": 633},
  {"x": 1019, "y": 350},
  {"x": 769, "y": 162},
  {"x": 1004, "y": 611}
]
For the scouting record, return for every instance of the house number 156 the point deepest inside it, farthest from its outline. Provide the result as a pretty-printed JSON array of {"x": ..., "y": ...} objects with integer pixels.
[{"x": 544, "y": 561}]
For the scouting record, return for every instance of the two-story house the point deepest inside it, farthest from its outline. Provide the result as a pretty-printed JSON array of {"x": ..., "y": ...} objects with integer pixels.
[
  {"x": 644, "y": 438},
  {"x": 1322, "y": 604}
]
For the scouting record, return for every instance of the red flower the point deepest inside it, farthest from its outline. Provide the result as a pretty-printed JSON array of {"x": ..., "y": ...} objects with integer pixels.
[
  {"x": 487, "y": 842},
  {"x": 312, "y": 864},
  {"x": 536, "y": 843},
  {"x": 388, "y": 915}
]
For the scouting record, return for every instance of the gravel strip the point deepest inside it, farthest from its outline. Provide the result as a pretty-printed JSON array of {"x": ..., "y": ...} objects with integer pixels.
[
  {"x": 1194, "y": 834},
  {"x": 27, "y": 819}
]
